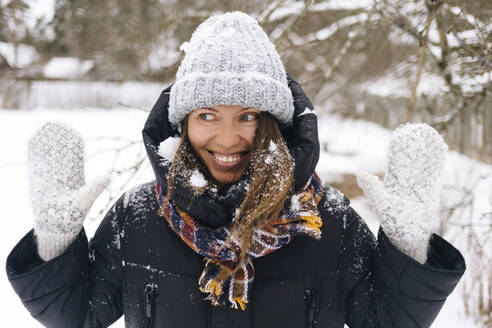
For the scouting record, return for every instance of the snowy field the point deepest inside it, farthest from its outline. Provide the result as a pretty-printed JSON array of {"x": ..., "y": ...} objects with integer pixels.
[{"x": 352, "y": 146}]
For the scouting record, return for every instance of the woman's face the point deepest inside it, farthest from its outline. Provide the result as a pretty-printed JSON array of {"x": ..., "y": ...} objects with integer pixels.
[{"x": 223, "y": 138}]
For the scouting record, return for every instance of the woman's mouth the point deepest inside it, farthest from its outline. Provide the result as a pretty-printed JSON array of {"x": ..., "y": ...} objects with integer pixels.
[{"x": 229, "y": 159}]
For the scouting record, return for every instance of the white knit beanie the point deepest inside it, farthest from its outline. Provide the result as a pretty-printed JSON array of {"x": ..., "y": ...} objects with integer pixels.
[{"x": 230, "y": 60}]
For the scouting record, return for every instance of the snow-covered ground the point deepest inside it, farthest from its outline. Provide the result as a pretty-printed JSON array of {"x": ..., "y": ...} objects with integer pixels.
[{"x": 351, "y": 146}]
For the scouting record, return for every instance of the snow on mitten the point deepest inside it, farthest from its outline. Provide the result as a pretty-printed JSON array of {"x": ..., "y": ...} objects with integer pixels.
[
  {"x": 60, "y": 198},
  {"x": 407, "y": 201}
]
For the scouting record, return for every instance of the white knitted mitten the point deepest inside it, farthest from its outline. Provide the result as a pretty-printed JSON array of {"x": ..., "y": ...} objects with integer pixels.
[
  {"x": 59, "y": 197},
  {"x": 407, "y": 201}
]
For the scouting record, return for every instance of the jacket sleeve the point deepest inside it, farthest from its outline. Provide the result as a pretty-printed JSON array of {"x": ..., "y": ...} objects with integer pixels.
[
  {"x": 80, "y": 288},
  {"x": 386, "y": 288}
]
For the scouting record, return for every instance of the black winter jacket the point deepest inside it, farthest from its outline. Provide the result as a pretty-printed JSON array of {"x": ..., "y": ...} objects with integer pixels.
[{"x": 138, "y": 267}]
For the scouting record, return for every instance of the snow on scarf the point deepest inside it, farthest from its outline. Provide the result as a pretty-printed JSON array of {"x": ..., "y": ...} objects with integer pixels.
[{"x": 217, "y": 280}]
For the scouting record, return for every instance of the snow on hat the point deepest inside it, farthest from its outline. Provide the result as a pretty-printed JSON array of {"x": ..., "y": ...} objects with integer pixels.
[{"x": 230, "y": 60}]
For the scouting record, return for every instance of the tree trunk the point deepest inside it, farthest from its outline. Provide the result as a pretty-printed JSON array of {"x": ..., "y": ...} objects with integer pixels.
[
  {"x": 109, "y": 25},
  {"x": 487, "y": 131}
]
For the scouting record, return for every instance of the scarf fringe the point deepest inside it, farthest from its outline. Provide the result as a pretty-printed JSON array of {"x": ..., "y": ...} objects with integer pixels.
[
  {"x": 313, "y": 223},
  {"x": 239, "y": 301}
]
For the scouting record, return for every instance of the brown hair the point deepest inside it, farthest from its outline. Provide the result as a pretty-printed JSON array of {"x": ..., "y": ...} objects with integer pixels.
[{"x": 271, "y": 176}]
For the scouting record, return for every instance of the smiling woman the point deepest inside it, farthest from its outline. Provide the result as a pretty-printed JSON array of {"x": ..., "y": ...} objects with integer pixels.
[
  {"x": 237, "y": 230},
  {"x": 222, "y": 136},
  {"x": 229, "y": 143}
]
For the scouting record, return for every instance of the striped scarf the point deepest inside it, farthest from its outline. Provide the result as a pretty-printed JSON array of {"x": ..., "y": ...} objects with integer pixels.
[{"x": 218, "y": 279}]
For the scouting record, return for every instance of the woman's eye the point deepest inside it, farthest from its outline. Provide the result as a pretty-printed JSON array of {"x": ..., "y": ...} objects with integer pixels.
[
  {"x": 249, "y": 117},
  {"x": 207, "y": 116}
]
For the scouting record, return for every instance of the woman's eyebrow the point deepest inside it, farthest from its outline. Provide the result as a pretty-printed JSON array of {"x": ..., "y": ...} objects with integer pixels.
[{"x": 215, "y": 110}]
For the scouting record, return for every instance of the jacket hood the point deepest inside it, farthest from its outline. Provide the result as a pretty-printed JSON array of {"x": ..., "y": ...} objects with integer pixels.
[{"x": 301, "y": 138}]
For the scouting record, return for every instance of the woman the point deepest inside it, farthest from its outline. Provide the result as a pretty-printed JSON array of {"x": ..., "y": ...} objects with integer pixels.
[{"x": 237, "y": 230}]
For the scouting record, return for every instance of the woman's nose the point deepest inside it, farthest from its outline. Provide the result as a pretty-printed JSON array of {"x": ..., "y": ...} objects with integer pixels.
[{"x": 228, "y": 137}]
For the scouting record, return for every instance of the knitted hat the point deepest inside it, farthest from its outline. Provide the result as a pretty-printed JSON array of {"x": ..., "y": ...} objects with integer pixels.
[{"x": 230, "y": 60}]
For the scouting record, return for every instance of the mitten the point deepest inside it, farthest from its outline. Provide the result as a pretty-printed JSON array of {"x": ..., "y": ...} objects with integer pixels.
[
  {"x": 60, "y": 199},
  {"x": 407, "y": 201}
]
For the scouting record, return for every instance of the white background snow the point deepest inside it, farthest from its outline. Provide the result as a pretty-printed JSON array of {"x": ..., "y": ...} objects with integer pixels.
[{"x": 353, "y": 146}]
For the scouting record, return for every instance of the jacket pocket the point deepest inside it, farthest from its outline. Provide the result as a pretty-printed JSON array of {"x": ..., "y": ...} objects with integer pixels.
[
  {"x": 150, "y": 292},
  {"x": 310, "y": 309}
]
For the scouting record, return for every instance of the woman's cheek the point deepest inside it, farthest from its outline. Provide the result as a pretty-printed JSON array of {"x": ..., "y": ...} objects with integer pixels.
[{"x": 248, "y": 132}]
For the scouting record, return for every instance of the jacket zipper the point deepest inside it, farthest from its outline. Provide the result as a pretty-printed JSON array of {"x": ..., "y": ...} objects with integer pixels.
[
  {"x": 309, "y": 309},
  {"x": 150, "y": 291}
]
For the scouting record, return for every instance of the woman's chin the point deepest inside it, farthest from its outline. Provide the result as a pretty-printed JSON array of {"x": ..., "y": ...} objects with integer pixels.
[{"x": 227, "y": 178}]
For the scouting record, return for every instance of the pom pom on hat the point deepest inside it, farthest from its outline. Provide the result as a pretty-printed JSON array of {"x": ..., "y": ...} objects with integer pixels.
[{"x": 230, "y": 60}]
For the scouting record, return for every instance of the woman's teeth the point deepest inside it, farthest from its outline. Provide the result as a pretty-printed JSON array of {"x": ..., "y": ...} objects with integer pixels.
[{"x": 227, "y": 159}]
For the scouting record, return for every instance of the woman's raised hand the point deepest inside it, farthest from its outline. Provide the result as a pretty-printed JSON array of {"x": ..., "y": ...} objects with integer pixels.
[
  {"x": 60, "y": 198},
  {"x": 407, "y": 201}
]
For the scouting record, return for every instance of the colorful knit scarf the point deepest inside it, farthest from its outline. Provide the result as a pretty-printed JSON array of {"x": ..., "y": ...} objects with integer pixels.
[{"x": 221, "y": 257}]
